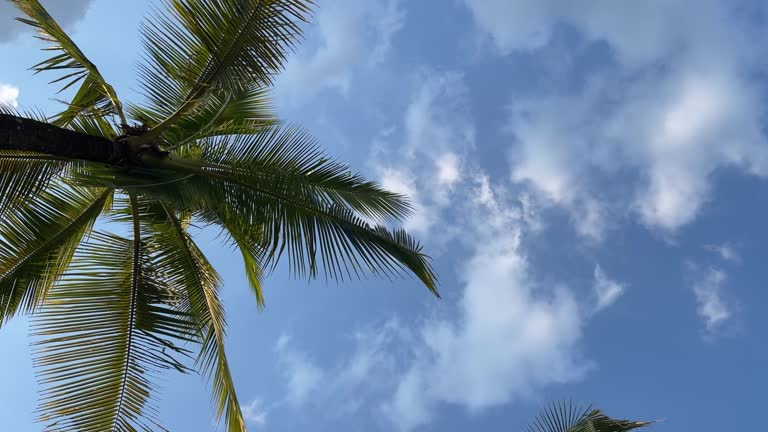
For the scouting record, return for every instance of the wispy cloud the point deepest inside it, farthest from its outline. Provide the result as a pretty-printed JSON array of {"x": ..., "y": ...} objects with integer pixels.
[
  {"x": 511, "y": 337},
  {"x": 508, "y": 334},
  {"x": 437, "y": 133},
  {"x": 255, "y": 413},
  {"x": 711, "y": 306},
  {"x": 302, "y": 375},
  {"x": 725, "y": 251},
  {"x": 350, "y": 33},
  {"x": 674, "y": 102},
  {"x": 606, "y": 290}
]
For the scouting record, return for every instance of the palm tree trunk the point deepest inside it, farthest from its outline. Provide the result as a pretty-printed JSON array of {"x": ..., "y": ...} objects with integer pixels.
[{"x": 17, "y": 133}]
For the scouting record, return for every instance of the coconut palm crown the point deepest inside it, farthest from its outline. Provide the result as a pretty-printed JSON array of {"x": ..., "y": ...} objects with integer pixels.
[{"x": 109, "y": 312}]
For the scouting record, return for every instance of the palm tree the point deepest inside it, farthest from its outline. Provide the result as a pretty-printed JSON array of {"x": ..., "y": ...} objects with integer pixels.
[
  {"x": 111, "y": 311},
  {"x": 570, "y": 417}
]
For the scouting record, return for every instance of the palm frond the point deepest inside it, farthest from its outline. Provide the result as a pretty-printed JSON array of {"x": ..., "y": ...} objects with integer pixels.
[
  {"x": 95, "y": 96},
  {"x": 314, "y": 235},
  {"x": 105, "y": 330},
  {"x": 597, "y": 421},
  {"x": 23, "y": 175},
  {"x": 303, "y": 203},
  {"x": 249, "y": 240},
  {"x": 571, "y": 417},
  {"x": 187, "y": 270},
  {"x": 242, "y": 112},
  {"x": 216, "y": 46},
  {"x": 94, "y": 126},
  {"x": 38, "y": 240},
  {"x": 286, "y": 159},
  {"x": 253, "y": 258},
  {"x": 34, "y": 114}
]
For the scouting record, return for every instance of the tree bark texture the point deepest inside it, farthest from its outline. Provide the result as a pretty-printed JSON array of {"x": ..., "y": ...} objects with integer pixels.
[{"x": 22, "y": 134}]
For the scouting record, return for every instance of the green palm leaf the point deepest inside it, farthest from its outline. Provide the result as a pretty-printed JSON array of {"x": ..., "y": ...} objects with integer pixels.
[
  {"x": 570, "y": 417},
  {"x": 38, "y": 240},
  {"x": 187, "y": 270},
  {"x": 95, "y": 96},
  {"x": 299, "y": 201},
  {"x": 287, "y": 160},
  {"x": 24, "y": 175},
  {"x": 216, "y": 46},
  {"x": 109, "y": 312},
  {"x": 242, "y": 112},
  {"x": 105, "y": 330},
  {"x": 313, "y": 234}
]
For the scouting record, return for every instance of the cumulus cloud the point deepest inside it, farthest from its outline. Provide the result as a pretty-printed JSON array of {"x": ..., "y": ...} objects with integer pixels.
[
  {"x": 712, "y": 307},
  {"x": 66, "y": 14},
  {"x": 512, "y": 337},
  {"x": 672, "y": 132},
  {"x": 302, "y": 376},
  {"x": 9, "y": 95},
  {"x": 350, "y": 33},
  {"x": 606, "y": 290},
  {"x": 674, "y": 103},
  {"x": 508, "y": 336}
]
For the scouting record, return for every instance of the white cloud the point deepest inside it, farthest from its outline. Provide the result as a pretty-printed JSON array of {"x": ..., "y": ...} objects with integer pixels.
[
  {"x": 370, "y": 371},
  {"x": 638, "y": 32},
  {"x": 514, "y": 25},
  {"x": 438, "y": 119},
  {"x": 675, "y": 104},
  {"x": 712, "y": 308},
  {"x": 606, "y": 290},
  {"x": 448, "y": 169},
  {"x": 512, "y": 336},
  {"x": 302, "y": 375},
  {"x": 710, "y": 121},
  {"x": 725, "y": 251},
  {"x": 255, "y": 413},
  {"x": 66, "y": 14},
  {"x": 509, "y": 337},
  {"x": 672, "y": 132},
  {"x": 351, "y": 33},
  {"x": 9, "y": 95},
  {"x": 438, "y": 130},
  {"x": 402, "y": 182}
]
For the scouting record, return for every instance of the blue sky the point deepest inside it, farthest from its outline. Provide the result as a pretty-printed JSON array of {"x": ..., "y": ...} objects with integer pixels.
[{"x": 590, "y": 178}]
